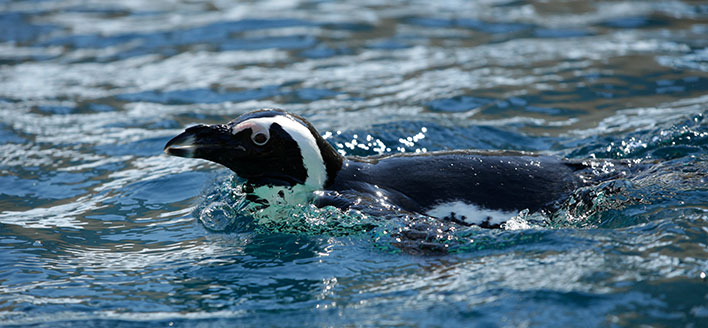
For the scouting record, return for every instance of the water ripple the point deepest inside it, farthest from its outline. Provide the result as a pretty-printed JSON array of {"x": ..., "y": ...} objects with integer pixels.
[{"x": 98, "y": 227}]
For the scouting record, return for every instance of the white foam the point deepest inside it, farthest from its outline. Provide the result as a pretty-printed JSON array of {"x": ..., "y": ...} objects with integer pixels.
[{"x": 470, "y": 213}]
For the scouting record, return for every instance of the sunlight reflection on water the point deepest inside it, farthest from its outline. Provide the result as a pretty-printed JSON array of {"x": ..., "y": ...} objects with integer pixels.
[{"x": 98, "y": 227}]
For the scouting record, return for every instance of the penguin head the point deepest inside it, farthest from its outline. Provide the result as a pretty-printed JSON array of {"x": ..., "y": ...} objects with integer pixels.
[{"x": 266, "y": 147}]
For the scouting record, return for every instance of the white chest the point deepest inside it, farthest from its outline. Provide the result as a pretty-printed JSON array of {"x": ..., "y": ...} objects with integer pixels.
[
  {"x": 282, "y": 196},
  {"x": 469, "y": 213}
]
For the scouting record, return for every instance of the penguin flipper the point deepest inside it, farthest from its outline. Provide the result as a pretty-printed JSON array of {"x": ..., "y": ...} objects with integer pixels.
[{"x": 333, "y": 199}]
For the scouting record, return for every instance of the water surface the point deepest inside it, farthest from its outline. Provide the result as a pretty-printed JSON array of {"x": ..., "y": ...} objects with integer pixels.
[{"x": 98, "y": 227}]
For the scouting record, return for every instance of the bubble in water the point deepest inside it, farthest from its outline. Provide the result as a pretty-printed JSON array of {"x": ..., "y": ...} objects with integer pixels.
[
  {"x": 221, "y": 216},
  {"x": 309, "y": 219}
]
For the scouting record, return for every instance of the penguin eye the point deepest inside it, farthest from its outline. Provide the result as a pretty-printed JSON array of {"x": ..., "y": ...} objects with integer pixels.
[{"x": 259, "y": 139}]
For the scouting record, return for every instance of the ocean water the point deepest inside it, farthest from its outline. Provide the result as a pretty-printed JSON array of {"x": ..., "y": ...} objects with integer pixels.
[{"x": 99, "y": 228}]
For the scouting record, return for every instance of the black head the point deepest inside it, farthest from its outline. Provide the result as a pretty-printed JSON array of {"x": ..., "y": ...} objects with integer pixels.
[{"x": 265, "y": 147}]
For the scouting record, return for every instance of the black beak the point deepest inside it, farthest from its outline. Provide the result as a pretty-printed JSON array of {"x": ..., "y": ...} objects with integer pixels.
[{"x": 209, "y": 142}]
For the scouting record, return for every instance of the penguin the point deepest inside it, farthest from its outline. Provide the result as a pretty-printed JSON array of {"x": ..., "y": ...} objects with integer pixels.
[{"x": 284, "y": 160}]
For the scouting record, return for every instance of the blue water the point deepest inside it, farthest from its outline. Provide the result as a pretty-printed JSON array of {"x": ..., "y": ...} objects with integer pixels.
[{"x": 99, "y": 228}]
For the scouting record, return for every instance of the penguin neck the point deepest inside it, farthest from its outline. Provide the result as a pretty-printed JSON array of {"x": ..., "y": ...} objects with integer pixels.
[
  {"x": 333, "y": 161},
  {"x": 301, "y": 193}
]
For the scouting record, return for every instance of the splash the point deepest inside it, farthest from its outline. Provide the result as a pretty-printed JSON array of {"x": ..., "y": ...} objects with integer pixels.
[
  {"x": 226, "y": 209},
  {"x": 688, "y": 136}
]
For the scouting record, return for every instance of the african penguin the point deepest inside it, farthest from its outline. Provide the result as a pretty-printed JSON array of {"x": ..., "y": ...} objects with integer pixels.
[{"x": 285, "y": 160}]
